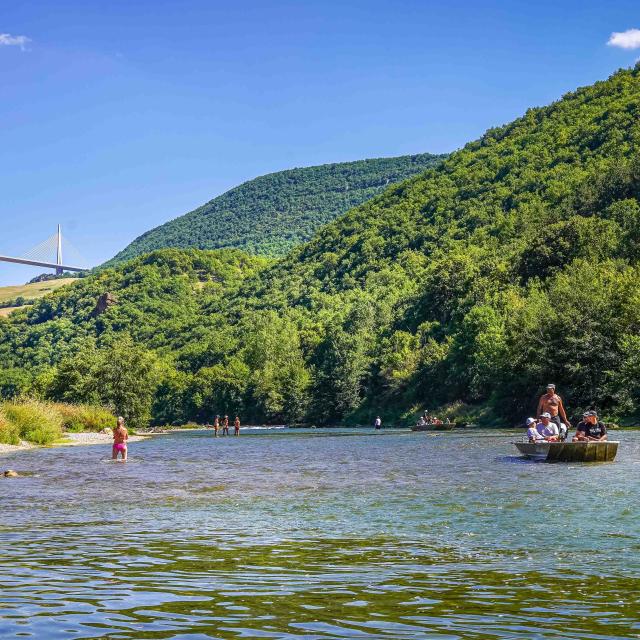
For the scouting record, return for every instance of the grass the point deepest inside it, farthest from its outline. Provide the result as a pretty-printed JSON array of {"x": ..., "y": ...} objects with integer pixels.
[
  {"x": 81, "y": 417},
  {"x": 5, "y": 312},
  {"x": 9, "y": 433},
  {"x": 33, "y": 291},
  {"x": 44, "y": 423},
  {"x": 36, "y": 421}
]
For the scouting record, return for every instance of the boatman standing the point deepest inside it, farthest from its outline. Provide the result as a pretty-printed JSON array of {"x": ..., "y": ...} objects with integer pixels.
[{"x": 551, "y": 403}]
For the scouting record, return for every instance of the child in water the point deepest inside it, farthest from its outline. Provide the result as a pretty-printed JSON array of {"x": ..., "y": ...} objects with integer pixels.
[
  {"x": 120, "y": 437},
  {"x": 236, "y": 426}
]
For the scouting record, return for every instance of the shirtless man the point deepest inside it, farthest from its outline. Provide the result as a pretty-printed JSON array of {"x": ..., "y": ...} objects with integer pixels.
[
  {"x": 225, "y": 426},
  {"x": 216, "y": 425},
  {"x": 236, "y": 426},
  {"x": 551, "y": 403}
]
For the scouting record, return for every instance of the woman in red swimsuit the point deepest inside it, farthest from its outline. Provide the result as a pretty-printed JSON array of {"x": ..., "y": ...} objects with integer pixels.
[{"x": 120, "y": 437}]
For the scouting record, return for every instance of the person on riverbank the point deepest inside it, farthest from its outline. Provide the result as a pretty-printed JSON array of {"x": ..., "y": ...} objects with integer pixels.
[
  {"x": 216, "y": 426},
  {"x": 225, "y": 426},
  {"x": 590, "y": 429},
  {"x": 377, "y": 423},
  {"x": 547, "y": 429},
  {"x": 551, "y": 403},
  {"x": 120, "y": 437},
  {"x": 532, "y": 431},
  {"x": 236, "y": 426}
]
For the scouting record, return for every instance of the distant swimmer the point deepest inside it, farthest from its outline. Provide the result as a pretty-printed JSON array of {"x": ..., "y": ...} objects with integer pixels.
[
  {"x": 120, "y": 437},
  {"x": 225, "y": 426},
  {"x": 216, "y": 426},
  {"x": 377, "y": 423},
  {"x": 236, "y": 426}
]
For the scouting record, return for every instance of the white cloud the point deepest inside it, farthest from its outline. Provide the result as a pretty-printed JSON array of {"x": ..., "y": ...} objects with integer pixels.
[
  {"x": 7, "y": 40},
  {"x": 629, "y": 39}
]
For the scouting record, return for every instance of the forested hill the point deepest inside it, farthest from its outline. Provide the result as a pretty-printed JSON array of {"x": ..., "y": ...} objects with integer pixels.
[
  {"x": 271, "y": 214},
  {"x": 514, "y": 263}
]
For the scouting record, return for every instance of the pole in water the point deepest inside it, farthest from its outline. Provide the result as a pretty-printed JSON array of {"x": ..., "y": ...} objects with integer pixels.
[{"x": 59, "y": 253}]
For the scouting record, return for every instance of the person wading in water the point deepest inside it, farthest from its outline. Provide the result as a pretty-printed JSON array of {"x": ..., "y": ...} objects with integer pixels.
[
  {"x": 216, "y": 426},
  {"x": 120, "y": 437},
  {"x": 225, "y": 426},
  {"x": 236, "y": 426}
]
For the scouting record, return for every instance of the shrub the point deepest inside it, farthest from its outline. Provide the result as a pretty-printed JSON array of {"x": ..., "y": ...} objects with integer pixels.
[
  {"x": 9, "y": 433},
  {"x": 35, "y": 421},
  {"x": 84, "y": 417}
]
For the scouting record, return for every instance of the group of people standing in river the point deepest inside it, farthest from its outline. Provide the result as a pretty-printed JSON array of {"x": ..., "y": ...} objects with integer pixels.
[
  {"x": 121, "y": 435},
  {"x": 553, "y": 425},
  {"x": 224, "y": 423}
]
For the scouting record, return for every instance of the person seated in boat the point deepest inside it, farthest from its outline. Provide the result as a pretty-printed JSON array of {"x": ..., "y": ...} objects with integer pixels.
[
  {"x": 532, "y": 431},
  {"x": 421, "y": 422},
  {"x": 551, "y": 403},
  {"x": 590, "y": 429},
  {"x": 547, "y": 429}
]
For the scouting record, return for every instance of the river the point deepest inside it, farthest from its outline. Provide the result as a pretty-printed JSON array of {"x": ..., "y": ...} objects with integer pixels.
[{"x": 320, "y": 534}]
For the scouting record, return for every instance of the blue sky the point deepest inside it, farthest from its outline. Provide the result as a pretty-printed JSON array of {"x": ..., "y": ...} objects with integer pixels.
[{"x": 118, "y": 116}]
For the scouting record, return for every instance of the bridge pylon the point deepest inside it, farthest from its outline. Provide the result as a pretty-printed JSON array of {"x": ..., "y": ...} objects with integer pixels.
[{"x": 47, "y": 254}]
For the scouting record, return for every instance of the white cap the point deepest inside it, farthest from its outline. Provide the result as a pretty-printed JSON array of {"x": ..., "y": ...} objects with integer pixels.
[
  {"x": 530, "y": 421},
  {"x": 545, "y": 415}
]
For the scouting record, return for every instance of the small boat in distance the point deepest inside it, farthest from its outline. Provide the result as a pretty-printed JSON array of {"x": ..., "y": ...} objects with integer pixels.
[
  {"x": 601, "y": 451},
  {"x": 442, "y": 426}
]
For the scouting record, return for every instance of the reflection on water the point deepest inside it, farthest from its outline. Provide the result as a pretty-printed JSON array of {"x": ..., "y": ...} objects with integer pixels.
[{"x": 320, "y": 535}]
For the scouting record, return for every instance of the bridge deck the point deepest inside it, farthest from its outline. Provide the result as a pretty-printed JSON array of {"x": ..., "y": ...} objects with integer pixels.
[{"x": 36, "y": 263}]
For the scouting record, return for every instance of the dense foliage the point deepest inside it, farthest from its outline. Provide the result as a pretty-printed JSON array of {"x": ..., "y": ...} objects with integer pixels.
[
  {"x": 514, "y": 263},
  {"x": 271, "y": 214},
  {"x": 39, "y": 422}
]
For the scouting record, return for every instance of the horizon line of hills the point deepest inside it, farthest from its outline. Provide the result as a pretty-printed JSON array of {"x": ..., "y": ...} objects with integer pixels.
[
  {"x": 466, "y": 287},
  {"x": 272, "y": 213}
]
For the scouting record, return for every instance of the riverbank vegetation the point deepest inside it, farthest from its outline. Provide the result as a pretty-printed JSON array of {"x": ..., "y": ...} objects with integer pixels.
[
  {"x": 40, "y": 422},
  {"x": 514, "y": 263}
]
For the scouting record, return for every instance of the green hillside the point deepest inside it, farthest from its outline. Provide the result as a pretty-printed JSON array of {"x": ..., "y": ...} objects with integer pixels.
[
  {"x": 273, "y": 213},
  {"x": 514, "y": 263}
]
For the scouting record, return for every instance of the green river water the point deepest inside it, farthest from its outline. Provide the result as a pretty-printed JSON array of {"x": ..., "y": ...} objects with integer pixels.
[{"x": 320, "y": 534}]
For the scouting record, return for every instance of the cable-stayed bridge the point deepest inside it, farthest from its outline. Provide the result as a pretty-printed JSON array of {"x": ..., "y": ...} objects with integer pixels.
[{"x": 48, "y": 254}]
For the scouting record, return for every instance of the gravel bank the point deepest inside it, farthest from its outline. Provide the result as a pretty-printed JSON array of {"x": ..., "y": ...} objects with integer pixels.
[{"x": 71, "y": 440}]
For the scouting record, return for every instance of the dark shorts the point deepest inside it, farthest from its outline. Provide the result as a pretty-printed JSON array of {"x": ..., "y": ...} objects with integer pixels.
[{"x": 557, "y": 420}]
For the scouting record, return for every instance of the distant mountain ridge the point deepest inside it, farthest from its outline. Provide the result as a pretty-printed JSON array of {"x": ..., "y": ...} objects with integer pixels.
[{"x": 273, "y": 213}]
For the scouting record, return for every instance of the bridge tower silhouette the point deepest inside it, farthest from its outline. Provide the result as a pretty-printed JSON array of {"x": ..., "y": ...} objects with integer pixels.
[{"x": 47, "y": 254}]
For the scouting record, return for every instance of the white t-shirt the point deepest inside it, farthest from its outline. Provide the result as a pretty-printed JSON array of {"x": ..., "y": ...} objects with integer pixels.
[
  {"x": 533, "y": 434},
  {"x": 550, "y": 430}
]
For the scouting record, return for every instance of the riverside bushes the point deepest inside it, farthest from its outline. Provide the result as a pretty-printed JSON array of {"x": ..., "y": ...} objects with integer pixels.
[
  {"x": 78, "y": 418},
  {"x": 36, "y": 422},
  {"x": 43, "y": 423},
  {"x": 9, "y": 433}
]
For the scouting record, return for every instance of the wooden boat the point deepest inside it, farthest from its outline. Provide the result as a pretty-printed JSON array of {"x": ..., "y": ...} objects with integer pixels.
[
  {"x": 569, "y": 451},
  {"x": 434, "y": 427}
]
